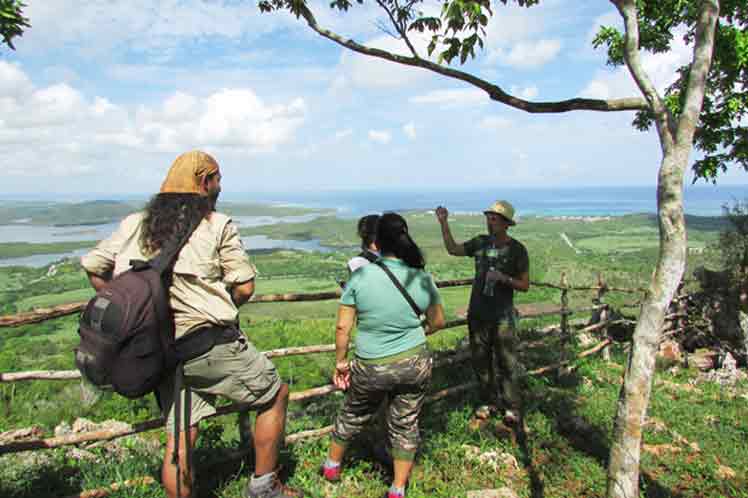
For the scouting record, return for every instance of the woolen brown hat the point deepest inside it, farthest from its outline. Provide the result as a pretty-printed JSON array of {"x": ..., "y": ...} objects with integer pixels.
[{"x": 187, "y": 172}]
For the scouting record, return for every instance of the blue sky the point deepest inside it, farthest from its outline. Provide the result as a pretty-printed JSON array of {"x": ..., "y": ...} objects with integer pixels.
[{"x": 101, "y": 95}]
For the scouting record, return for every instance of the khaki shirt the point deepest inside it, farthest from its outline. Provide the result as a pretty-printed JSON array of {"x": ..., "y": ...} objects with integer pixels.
[{"x": 211, "y": 262}]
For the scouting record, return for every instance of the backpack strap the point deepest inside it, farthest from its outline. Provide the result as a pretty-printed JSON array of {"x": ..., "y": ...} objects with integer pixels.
[
  {"x": 165, "y": 259},
  {"x": 163, "y": 263},
  {"x": 368, "y": 256},
  {"x": 402, "y": 290}
]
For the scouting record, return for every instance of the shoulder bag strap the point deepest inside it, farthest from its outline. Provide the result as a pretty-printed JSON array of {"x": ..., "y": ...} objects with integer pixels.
[
  {"x": 165, "y": 259},
  {"x": 369, "y": 256},
  {"x": 402, "y": 290}
]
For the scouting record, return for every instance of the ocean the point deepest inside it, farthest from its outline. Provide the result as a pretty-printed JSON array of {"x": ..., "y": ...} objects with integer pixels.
[
  {"x": 588, "y": 201},
  {"x": 602, "y": 201}
]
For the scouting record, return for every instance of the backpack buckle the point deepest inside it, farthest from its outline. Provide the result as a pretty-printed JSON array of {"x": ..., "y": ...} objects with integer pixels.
[{"x": 139, "y": 264}]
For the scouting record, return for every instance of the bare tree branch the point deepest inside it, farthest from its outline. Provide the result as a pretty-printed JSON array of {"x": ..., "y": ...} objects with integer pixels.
[
  {"x": 663, "y": 117},
  {"x": 385, "y": 28},
  {"x": 399, "y": 26},
  {"x": 494, "y": 91},
  {"x": 702, "y": 59}
]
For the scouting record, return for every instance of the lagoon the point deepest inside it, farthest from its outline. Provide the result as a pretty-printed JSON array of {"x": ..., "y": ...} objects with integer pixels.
[{"x": 38, "y": 234}]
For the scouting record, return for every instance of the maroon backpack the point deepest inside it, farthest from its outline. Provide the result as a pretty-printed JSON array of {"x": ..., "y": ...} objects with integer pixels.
[{"x": 127, "y": 329}]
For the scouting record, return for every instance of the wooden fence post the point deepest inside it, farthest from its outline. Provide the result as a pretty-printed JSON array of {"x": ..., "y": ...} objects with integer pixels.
[
  {"x": 602, "y": 288},
  {"x": 565, "y": 334},
  {"x": 682, "y": 321}
]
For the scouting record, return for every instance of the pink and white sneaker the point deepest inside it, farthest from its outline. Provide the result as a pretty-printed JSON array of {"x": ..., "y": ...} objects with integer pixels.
[{"x": 332, "y": 474}]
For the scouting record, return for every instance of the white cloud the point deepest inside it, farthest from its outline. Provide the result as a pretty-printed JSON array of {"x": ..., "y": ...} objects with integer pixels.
[
  {"x": 368, "y": 72},
  {"x": 410, "y": 130},
  {"x": 527, "y": 54},
  {"x": 495, "y": 123},
  {"x": 154, "y": 26},
  {"x": 179, "y": 106},
  {"x": 606, "y": 84},
  {"x": 452, "y": 97},
  {"x": 514, "y": 35},
  {"x": 527, "y": 93},
  {"x": 380, "y": 136},
  {"x": 661, "y": 68},
  {"x": 511, "y": 40},
  {"x": 55, "y": 105},
  {"x": 65, "y": 124},
  {"x": 513, "y": 24},
  {"x": 230, "y": 117},
  {"x": 13, "y": 81},
  {"x": 341, "y": 134}
]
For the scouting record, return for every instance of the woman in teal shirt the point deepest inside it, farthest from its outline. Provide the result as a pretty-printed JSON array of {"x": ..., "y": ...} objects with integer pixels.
[{"x": 392, "y": 358}]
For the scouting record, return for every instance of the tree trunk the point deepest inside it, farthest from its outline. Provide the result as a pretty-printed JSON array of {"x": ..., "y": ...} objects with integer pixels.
[
  {"x": 676, "y": 141},
  {"x": 633, "y": 399}
]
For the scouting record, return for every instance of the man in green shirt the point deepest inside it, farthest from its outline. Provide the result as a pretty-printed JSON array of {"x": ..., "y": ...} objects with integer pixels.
[{"x": 501, "y": 267}]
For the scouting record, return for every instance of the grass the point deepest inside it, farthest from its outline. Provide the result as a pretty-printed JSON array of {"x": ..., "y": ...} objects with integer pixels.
[
  {"x": 569, "y": 418},
  {"x": 562, "y": 454},
  {"x": 49, "y": 300},
  {"x": 22, "y": 249}
]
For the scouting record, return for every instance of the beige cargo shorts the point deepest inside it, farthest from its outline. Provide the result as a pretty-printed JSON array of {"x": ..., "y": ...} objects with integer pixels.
[{"x": 235, "y": 370}]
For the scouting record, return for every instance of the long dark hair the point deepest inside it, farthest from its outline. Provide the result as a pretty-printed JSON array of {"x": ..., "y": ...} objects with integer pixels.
[
  {"x": 169, "y": 216},
  {"x": 393, "y": 238},
  {"x": 367, "y": 230}
]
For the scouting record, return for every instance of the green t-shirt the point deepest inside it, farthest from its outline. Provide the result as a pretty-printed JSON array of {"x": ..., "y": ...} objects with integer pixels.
[
  {"x": 511, "y": 259},
  {"x": 387, "y": 325}
]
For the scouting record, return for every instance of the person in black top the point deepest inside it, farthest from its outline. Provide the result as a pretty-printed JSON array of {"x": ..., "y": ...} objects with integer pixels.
[
  {"x": 501, "y": 267},
  {"x": 367, "y": 231}
]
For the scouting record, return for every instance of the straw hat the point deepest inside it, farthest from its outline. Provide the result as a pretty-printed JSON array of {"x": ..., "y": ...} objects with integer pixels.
[{"x": 504, "y": 209}]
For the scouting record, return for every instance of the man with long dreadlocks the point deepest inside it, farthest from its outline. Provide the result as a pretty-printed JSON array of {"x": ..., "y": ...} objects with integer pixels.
[{"x": 211, "y": 278}]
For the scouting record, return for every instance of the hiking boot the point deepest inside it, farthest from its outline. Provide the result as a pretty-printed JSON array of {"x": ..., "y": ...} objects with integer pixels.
[
  {"x": 484, "y": 412},
  {"x": 331, "y": 474},
  {"x": 511, "y": 417},
  {"x": 476, "y": 424},
  {"x": 276, "y": 490}
]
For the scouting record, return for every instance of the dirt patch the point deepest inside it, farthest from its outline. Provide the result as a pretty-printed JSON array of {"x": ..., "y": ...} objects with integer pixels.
[
  {"x": 660, "y": 449},
  {"x": 524, "y": 310},
  {"x": 537, "y": 308}
]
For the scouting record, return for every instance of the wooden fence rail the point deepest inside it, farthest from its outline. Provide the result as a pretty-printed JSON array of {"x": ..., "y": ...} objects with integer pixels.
[
  {"x": 43, "y": 314},
  {"x": 106, "y": 435},
  {"x": 526, "y": 311},
  {"x": 277, "y": 353}
]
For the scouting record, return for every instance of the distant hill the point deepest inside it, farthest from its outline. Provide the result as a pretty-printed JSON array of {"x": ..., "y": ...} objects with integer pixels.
[
  {"x": 107, "y": 211},
  {"x": 694, "y": 222},
  {"x": 61, "y": 213}
]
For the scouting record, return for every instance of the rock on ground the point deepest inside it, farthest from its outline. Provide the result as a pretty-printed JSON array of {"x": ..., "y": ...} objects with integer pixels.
[{"x": 492, "y": 493}]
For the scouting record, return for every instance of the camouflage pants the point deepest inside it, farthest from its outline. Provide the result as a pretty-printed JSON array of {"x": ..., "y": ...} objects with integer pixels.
[
  {"x": 493, "y": 346},
  {"x": 405, "y": 382}
]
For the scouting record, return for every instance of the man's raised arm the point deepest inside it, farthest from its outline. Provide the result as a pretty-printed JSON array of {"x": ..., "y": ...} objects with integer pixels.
[{"x": 452, "y": 247}]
